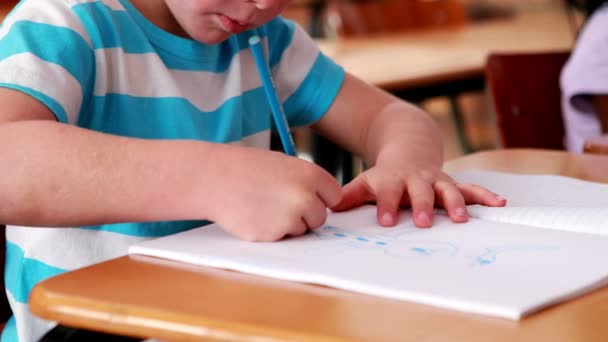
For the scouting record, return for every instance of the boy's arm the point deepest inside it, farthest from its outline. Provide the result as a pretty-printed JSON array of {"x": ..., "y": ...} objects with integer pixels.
[
  {"x": 55, "y": 174},
  {"x": 403, "y": 147}
]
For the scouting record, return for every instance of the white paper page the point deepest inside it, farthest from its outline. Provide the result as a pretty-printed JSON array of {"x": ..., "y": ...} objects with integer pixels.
[
  {"x": 540, "y": 190},
  {"x": 582, "y": 220},
  {"x": 481, "y": 267},
  {"x": 545, "y": 201}
]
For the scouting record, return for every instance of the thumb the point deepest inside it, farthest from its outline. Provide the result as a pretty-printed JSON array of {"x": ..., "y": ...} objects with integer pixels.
[{"x": 354, "y": 194}]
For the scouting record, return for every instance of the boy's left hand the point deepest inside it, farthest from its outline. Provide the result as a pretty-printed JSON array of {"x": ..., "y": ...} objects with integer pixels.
[{"x": 421, "y": 186}]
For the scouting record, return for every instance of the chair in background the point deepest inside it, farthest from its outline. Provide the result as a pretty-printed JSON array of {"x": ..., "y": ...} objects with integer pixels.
[{"x": 526, "y": 97}]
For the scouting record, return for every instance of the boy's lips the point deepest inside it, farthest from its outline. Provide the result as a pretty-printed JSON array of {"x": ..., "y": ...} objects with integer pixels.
[{"x": 232, "y": 25}]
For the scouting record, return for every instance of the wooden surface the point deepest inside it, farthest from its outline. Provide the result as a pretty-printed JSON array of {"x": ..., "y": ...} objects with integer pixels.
[
  {"x": 411, "y": 59},
  {"x": 583, "y": 166},
  {"x": 597, "y": 145},
  {"x": 143, "y": 296}
]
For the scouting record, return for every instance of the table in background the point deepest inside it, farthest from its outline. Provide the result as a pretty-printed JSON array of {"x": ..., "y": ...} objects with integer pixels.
[
  {"x": 434, "y": 62},
  {"x": 149, "y": 297},
  {"x": 417, "y": 65}
]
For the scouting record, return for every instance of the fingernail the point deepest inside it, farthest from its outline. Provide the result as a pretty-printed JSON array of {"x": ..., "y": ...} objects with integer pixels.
[
  {"x": 460, "y": 212},
  {"x": 423, "y": 218},
  {"x": 500, "y": 198},
  {"x": 387, "y": 219}
]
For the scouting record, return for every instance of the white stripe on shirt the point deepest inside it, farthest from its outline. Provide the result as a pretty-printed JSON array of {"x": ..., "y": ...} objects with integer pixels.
[
  {"x": 44, "y": 12},
  {"x": 27, "y": 69}
]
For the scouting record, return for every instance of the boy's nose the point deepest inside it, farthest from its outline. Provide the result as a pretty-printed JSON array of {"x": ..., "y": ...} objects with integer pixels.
[
  {"x": 260, "y": 4},
  {"x": 266, "y": 4}
]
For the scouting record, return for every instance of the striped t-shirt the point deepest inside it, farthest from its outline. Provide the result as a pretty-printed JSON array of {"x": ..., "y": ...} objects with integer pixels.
[{"x": 100, "y": 64}]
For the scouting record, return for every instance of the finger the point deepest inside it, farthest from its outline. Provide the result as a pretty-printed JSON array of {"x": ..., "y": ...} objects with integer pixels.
[
  {"x": 422, "y": 198},
  {"x": 388, "y": 198},
  {"x": 329, "y": 190},
  {"x": 315, "y": 214},
  {"x": 475, "y": 194},
  {"x": 298, "y": 228},
  {"x": 452, "y": 200},
  {"x": 354, "y": 194}
]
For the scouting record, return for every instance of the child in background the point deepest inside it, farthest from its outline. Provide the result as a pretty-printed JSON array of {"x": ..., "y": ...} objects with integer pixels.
[
  {"x": 584, "y": 80},
  {"x": 132, "y": 119}
]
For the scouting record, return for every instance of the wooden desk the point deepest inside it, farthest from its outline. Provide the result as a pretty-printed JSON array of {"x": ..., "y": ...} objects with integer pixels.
[
  {"x": 142, "y": 296},
  {"x": 597, "y": 145},
  {"x": 409, "y": 60}
]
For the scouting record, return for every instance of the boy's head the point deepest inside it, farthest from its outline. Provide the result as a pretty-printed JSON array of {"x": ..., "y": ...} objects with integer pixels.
[{"x": 210, "y": 21}]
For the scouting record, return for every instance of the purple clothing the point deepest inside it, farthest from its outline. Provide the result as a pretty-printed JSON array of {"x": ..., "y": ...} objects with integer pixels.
[{"x": 585, "y": 74}]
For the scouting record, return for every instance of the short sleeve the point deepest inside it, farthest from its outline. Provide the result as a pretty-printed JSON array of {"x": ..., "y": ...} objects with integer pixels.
[
  {"x": 45, "y": 53},
  {"x": 307, "y": 81},
  {"x": 586, "y": 72}
]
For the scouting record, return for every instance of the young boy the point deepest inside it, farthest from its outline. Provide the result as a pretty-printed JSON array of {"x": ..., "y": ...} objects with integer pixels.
[{"x": 124, "y": 119}]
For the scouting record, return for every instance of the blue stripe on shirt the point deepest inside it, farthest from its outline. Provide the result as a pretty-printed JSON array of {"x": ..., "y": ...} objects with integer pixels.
[
  {"x": 149, "y": 229},
  {"x": 66, "y": 48},
  {"x": 19, "y": 283},
  {"x": 315, "y": 86},
  {"x": 177, "y": 118},
  {"x": 9, "y": 334}
]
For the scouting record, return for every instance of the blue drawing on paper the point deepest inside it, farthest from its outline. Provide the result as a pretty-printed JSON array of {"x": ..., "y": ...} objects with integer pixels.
[
  {"x": 394, "y": 244},
  {"x": 491, "y": 255},
  {"x": 428, "y": 248},
  {"x": 350, "y": 239},
  {"x": 403, "y": 243}
]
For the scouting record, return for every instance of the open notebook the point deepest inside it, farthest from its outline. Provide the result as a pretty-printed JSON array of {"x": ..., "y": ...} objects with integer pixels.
[{"x": 549, "y": 244}]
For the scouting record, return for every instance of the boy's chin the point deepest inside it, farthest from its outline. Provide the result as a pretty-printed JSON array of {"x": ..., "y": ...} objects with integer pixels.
[{"x": 212, "y": 39}]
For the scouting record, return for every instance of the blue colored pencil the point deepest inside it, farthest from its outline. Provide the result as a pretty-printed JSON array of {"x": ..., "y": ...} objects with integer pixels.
[{"x": 275, "y": 105}]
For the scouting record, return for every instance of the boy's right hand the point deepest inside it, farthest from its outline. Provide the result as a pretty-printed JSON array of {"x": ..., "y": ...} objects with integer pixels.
[{"x": 265, "y": 196}]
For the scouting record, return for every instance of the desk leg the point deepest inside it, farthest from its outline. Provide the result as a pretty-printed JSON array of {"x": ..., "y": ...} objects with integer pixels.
[
  {"x": 347, "y": 166},
  {"x": 65, "y": 334},
  {"x": 459, "y": 123}
]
